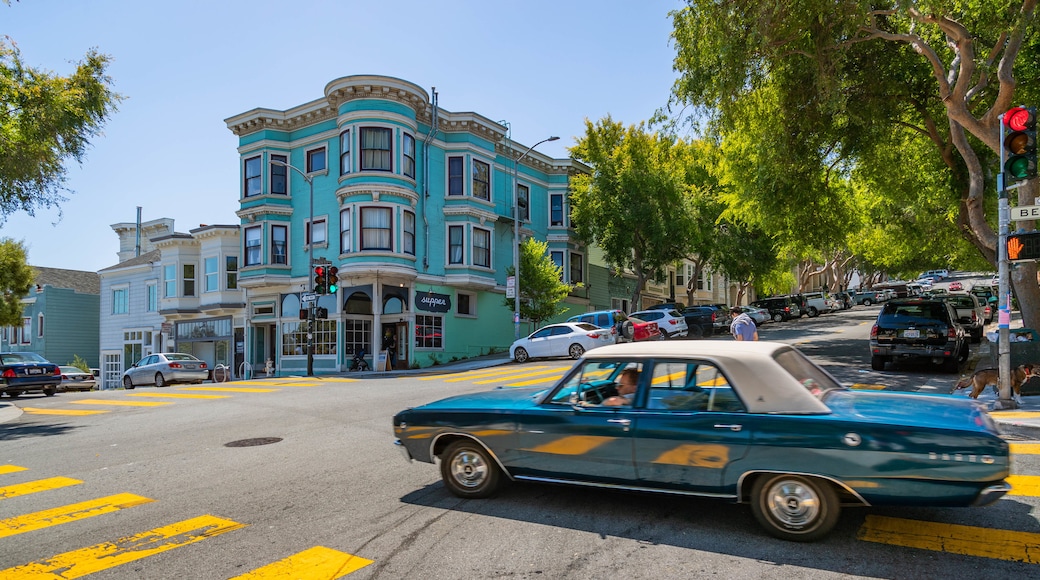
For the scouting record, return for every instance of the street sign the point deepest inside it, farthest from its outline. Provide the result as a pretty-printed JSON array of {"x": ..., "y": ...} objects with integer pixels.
[
  {"x": 510, "y": 281},
  {"x": 510, "y": 292},
  {"x": 308, "y": 297},
  {"x": 1025, "y": 212}
]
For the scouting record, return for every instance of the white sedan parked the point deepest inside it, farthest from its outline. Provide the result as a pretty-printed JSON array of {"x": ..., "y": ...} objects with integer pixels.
[{"x": 564, "y": 339}]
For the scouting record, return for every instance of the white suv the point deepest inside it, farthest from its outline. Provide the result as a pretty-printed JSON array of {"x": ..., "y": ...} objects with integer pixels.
[
  {"x": 671, "y": 322},
  {"x": 818, "y": 303}
]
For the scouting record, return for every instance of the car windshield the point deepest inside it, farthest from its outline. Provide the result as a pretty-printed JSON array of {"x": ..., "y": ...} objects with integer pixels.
[
  {"x": 21, "y": 357},
  {"x": 812, "y": 377}
]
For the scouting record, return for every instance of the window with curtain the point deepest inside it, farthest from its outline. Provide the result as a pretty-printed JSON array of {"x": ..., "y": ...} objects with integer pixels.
[
  {"x": 153, "y": 298},
  {"x": 408, "y": 233},
  {"x": 316, "y": 229},
  {"x": 253, "y": 182},
  {"x": 376, "y": 231},
  {"x": 279, "y": 175},
  {"x": 375, "y": 149},
  {"x": 344, "y": 152},
  {"x": 409, "y": 156},
  {"x": 481, "y": 247},
  {"x": 577, "y": 269},
  {"x": 252, "y": 240},
  {"x": 344, "y": 231},
  {"x": 279, "y": 244},
  {"x": 481, "y": 180},
  {"x": 455, "y": 183},
  {"x": 556, "y": 209},
  {"x": 455, "y": 244}
]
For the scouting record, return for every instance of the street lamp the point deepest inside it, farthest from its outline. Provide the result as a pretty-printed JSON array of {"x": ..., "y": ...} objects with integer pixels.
[
  {"x": 310, "y": 264},
  {"x": 516, "y": 236}
]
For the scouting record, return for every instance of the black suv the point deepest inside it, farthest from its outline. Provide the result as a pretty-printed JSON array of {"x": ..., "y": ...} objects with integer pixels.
[
  {"x": 781, "y": 308},
  {"x": 918, "y": 328}
]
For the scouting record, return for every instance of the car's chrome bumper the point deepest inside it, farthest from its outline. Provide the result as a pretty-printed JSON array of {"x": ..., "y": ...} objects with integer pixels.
[
  {"x": 992, "y": 493},
  {"x": 404, "y": 450}
]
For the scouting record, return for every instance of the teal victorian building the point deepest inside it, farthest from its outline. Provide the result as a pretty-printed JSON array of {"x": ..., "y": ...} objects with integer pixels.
[{"x": 413, "y": 204}]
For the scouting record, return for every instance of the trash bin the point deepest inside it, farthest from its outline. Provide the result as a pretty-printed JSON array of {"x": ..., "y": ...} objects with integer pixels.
[{"x": 1025, "y": 349}]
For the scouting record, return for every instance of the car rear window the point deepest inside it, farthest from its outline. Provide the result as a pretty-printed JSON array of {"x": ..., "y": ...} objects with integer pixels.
[
  {"x": 919, "y": 310},
  {"x": 812, "y": 377},
  {"x": 180, "y": 357}
]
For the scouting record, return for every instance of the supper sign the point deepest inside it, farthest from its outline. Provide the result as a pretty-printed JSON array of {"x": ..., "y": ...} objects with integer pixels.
[{"x": 432, "y": 302}]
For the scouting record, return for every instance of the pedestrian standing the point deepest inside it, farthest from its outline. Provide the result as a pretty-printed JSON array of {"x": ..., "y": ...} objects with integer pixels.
[{"x": 742, "y": 328}]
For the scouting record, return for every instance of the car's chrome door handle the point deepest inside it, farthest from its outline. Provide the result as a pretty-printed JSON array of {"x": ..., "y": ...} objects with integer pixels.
[
  {"x": 730, "y": 427},
  {"x": 621, "y": 421}
]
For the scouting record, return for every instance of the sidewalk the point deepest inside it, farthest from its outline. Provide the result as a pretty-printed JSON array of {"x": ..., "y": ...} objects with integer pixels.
[{"x": 1020, "y": 423}]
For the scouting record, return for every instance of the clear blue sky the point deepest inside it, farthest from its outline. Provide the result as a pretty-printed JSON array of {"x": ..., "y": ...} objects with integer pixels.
[{"x": 185, "y": 66}]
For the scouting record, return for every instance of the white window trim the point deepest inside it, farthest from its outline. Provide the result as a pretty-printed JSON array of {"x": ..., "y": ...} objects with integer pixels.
[
  {"x": 346, "y": 219},
  {"x": 26, "y": 331},
  {"x": 490, "y": 201},
  {"x": 206, "y": 274},
  {"x": 447, "y": 175},
  {"x": 151, "y": 287},
  {"x": 472, "y": 303},
  {"x": 563, "y": 210},
  {"x": 396, "y": 147},
  {"x": 307, "y": 231},
  {"x": 306, "y": 157},
  {"x": 490, "y": 249},
  {"x": 447, "y": 246},
  {"x": 270, "y": 245},
  {"x": 584, "y": 266}
]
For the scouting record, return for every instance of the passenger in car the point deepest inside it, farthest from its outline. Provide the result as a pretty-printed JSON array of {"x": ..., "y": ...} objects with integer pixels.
[{"x": 627, "y": 383}]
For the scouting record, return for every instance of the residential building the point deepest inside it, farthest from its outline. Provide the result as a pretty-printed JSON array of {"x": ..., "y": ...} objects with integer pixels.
[
  {"x": 59, "y": 317},
  {"x": 171, "y": 291},
  {"x": 411, "y": 202}
]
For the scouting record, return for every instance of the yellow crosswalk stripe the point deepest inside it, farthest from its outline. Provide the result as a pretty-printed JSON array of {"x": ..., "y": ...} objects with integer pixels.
[
  {"x": 180, "y": 396},
  {"x": 952, "y": 538},
  {"x": 316, "y": 562},
  {"x": 35, "y": 411},
  {"x": 4, "y": 469},
  {"x": 79, "y": 563},
  {"x": 297, "y": 384},
  {"x": 542, "y": 381},
  {"x": 118, "y": 403},
  {"x": 519, "y": 376},
  {"x": 479, "y": 373},
  {"x": 35, "y": 486},
  {"x": 229, "y": 389},
  {"x": 867, "y": 386},
  {"x": 1025, "y": 448},
  {"x": 68, "y": 513},
  {"x": 1027, "y": 485},
  {"x": 1016, "y": 414}
]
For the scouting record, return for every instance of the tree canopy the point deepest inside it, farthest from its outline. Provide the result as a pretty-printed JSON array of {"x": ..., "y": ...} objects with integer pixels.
[
  {"x": 16, "y": 277},
  {"x": 46, "y": 120},
  {"x": 542, "y": 289}
]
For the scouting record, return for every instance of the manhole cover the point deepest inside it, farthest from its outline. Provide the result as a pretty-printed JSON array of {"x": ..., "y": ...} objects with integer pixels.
[{"x": 253, "y": 442}]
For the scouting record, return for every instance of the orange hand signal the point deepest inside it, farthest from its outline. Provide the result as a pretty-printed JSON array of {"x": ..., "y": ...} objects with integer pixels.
[{"x": 1014, "y": 248}]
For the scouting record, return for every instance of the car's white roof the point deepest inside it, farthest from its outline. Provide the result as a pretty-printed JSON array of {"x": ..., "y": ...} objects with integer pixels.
[{"x": 764, "y": 385}]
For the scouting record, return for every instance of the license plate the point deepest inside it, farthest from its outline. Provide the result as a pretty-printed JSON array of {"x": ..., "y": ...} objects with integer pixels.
[
  {"x": 34, "y": 371},
  {"x": 912, "y": 333}
]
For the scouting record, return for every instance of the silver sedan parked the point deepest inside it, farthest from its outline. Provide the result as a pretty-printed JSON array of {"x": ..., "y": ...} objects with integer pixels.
[
  {"x": 76, "y": 379},
  {"x": 165, "y": 368}
]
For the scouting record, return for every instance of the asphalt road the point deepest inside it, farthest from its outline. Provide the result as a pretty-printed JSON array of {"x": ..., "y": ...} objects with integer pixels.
[{"x": 148, "y": 487}]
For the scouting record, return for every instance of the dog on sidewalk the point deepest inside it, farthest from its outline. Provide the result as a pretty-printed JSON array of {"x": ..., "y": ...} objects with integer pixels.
[{"x": 981, "y": 378}]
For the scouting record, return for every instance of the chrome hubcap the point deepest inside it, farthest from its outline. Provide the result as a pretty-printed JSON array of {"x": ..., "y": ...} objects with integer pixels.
[
  {"x": 793, "y": 504},
  {"x": 468, "y": 469}
]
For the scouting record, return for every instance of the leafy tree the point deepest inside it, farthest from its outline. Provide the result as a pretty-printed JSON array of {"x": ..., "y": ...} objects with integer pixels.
[
  {"x": 46, "y": 120},
  {"x": 16, "y": 277},
  {"x": 839, "y": 82},
  {"x": 542, "y": 288},
  {"x": 636, "y": 203}
]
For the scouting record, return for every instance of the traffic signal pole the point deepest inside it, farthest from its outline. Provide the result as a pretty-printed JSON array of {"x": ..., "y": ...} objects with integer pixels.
[{"x": 1004, "y": 400}]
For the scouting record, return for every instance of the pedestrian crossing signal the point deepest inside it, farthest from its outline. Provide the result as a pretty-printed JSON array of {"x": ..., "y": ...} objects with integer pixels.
[{"x": 1024, "y": 246}]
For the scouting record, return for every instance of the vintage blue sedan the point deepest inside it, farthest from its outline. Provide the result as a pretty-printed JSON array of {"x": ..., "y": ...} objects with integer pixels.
[{"x": 750, "y": 422}]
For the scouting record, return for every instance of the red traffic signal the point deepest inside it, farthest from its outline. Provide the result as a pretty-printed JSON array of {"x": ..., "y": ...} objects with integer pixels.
[
  {"x": 1020, "y": 143},
  {"x": 320, "y": 283}
]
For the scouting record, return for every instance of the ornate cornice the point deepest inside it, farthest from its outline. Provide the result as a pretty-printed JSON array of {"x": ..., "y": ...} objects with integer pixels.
[
  {"x": 377, "y": 191},
  {"x": 483, "y": 215},
  {"x": 258, "y": 212}
]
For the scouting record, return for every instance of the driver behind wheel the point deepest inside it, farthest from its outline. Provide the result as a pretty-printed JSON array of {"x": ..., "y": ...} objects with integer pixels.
[{"x": 626, "y": 389}]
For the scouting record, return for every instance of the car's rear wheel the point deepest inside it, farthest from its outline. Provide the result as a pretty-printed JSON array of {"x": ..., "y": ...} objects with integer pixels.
[
  {"x": 575, "y": 351},
  {"x": 813, "y": 312},
  {"x": 469, "y": 471},
  {"x": 160, "y": 381},
  {"x": 695, "y": 332},
  {"x": 127, "y": 383},
  {"x": 520, "y": 355},
  {"x": 877, "y": 363},
  {"x": 792, "y": 507},
  {"x": 14, "y": 394},
  {"x": 778, "y": 317},
  {"x": 49, "y": 392},
  {"x": 867, "y": 302}
]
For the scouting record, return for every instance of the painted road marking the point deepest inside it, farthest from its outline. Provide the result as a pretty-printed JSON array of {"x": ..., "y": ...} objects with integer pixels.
[
  {"x": 122, "y": 403},
  {"x": 867, "y": 386},
  {"x": 69, "y": 513},
  {"x": 1025, "y": 448},
  {"x": 79, "y": 563},
  {"x": 544, "y": 380},
  {"x": 316, "y": 562},
  {"x": 952, "y": 538},
  {"x": 35, "y": 486},
  {"x": 35, "y": 411},
  {"x": 1015, "y": 414},
  {"x": 180, "y": 396},
  {"x": 479, "y": 373},
  {"x": 1027, "y": 485},
  {"x": 229, "y": 389},
  {"x": 519, "y": 376},
  {"x": 5, "y": 469}
]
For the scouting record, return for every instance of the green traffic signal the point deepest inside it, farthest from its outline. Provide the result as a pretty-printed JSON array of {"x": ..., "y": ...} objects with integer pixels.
[{"x": 332, "y": 280}]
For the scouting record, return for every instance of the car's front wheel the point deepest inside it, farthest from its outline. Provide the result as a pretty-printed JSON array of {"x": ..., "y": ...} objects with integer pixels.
[
  {"x": 778, "y": 317},
  {"x": 520, "y": 355},
  {"x": 867, "y": 302},
  {"x": 469, "y": 471},
  {"x": 49, "y": 392},
  {"x": 695, "y": 332},
  {"x": 792, "y": 507},
  {"x": 813, "y": 312},
  {"x": 127, "y": 383},
  {"x": 160, "y": 381},
  {"x": 575, "y": 351}
]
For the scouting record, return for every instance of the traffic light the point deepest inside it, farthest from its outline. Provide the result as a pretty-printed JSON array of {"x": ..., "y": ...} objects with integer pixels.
[
  {"x": 320, "y": 282},
  {"x": 1024, "y": 246},
  {"x": 1020, "y": 143},
  {"x": 331, "y": 279}
]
